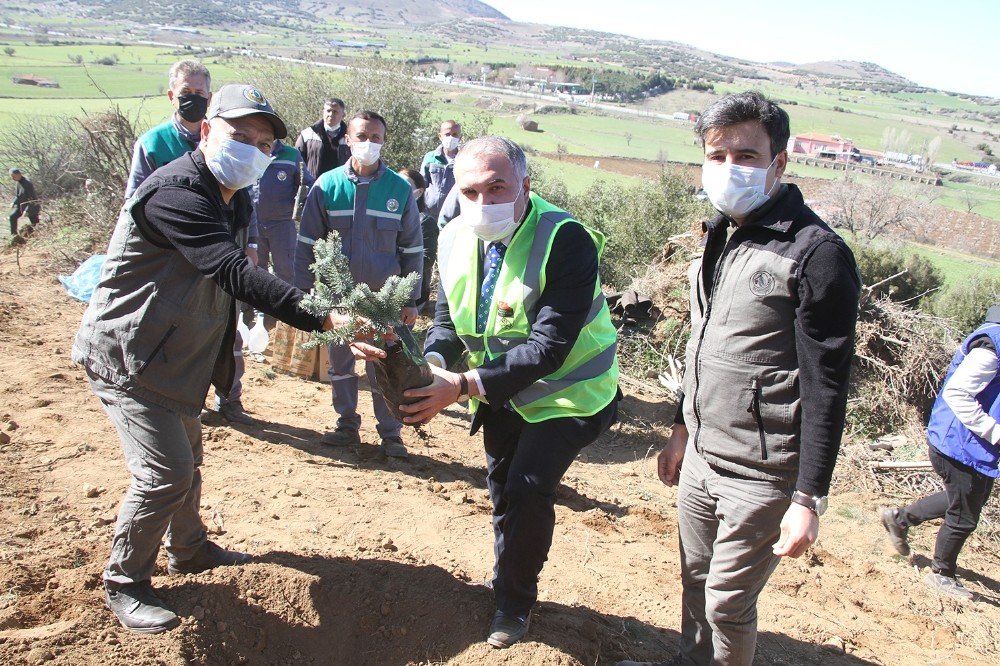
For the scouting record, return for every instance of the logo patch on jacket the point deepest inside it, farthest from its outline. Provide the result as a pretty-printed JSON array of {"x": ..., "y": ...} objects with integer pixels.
[
  {"x": 282, "y": 175},
  {"x": 392, "y": 205},
  {"x": 761, "y": 283}
]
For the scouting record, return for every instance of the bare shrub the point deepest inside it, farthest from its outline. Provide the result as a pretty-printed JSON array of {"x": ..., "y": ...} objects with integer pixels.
[
  {"x": 869, "y": 210},
  {"x": 901, "y": 355}
]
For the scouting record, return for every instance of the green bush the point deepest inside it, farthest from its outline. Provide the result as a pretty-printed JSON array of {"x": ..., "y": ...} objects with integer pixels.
[
  {"x": 878, "y": 264},
  {"x": 637, "y": 221},
  {"x": 966, "y": 304}
]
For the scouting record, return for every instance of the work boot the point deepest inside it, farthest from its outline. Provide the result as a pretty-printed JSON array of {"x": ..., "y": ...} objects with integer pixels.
[
  {"x": 208, "y": 557},
  {"x": 897, "y": 533},
  {"x": 394, "y": 447},
  {"x": 138, "y": 608},
  {"x": 948, "y": 585},
  {"x": 342, "y": 437},
  {"x": 507, "y": 630},
  {"x": 234, "y": 413}
]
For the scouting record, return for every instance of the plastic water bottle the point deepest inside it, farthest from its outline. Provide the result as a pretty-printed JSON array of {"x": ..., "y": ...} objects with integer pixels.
[
  {"x": 242, "y": 329},
  {"x": 258, "y": 339}
]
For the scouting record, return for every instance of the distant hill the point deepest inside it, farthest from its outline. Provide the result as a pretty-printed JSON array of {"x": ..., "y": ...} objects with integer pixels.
[
  {"x": 402, "y": 12},
  {"x": 474, "y": 23},
  {"x": 850, "y": 70},
  {"x": 209, "y": 13}
]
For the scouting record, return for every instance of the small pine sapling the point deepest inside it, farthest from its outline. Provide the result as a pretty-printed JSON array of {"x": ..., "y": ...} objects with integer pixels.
[{"x": 378, "y": 312}]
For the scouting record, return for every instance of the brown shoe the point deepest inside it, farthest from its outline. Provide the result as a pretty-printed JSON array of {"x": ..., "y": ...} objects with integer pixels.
[{"x": 896, "y": 532}]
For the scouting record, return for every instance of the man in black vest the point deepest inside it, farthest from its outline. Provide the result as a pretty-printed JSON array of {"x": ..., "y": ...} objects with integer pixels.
[
  {"x": 324, "y": 144},
  {"x": 160, "y": 329},
  {"x": 773, "y": 309}
]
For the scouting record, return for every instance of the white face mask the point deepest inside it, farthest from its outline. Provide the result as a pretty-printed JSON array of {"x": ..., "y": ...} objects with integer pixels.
[
  {"x": 366, "y": 152},
  {"x": 237, "y": 165},
  {"x": 490, "y": 222},
  {"x": 450, "y": 143},
  {"x": 735, "y": 190}
]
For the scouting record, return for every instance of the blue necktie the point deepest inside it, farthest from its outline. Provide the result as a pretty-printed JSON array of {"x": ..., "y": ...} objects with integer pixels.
[{"x": 494, "y": 258}]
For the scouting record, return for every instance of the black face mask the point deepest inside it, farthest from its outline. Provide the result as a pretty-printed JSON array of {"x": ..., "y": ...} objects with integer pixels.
[{"x": 192, "y": 107}]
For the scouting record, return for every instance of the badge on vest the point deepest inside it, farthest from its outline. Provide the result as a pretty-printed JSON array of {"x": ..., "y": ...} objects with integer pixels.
[
  {"x": 282, "y": 175},
  {"x": 392, "y": 205},
  {"x": 761, "y": 283},
  {"x": 505, "y": 313}
]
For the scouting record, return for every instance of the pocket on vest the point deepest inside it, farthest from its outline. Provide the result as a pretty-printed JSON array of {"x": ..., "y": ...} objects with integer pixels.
[{"x": 387, "y": 234}]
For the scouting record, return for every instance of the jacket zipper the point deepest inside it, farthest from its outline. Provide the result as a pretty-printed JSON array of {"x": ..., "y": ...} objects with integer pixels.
[
  {"x": 156, "y": 350},
  {"x": 754, "y": 409},
  {"x": 701, "y": 335}
]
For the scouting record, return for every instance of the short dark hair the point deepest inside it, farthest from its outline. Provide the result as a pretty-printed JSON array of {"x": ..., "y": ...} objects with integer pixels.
[
  {"x": 370, "y": 115},
  {"x": 415, "y": 176},
  {"x": 742, "y": 107},
  {"x": 330, "y": 101}
]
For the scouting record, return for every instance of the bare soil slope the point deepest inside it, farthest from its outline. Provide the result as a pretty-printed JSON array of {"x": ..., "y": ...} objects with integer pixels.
[{"x": 362, "y": 560}]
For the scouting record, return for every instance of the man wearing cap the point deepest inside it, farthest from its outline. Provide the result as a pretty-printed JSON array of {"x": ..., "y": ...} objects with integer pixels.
[
  {"x": 373, "y": 210},
  {"x": 324, "y": 144},
  {"x": 963, "y": 437},
  {"x": 159, "y": 329},
  {"x": 25, "y": 202}
]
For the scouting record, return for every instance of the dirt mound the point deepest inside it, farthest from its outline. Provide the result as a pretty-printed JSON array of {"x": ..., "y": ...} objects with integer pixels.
[{"x": 365, "y": 560}]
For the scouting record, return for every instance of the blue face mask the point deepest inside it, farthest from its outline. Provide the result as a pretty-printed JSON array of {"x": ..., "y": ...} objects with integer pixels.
[{"x": 237, "y": 165}]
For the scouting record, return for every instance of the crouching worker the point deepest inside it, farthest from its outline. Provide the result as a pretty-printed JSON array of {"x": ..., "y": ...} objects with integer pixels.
[
  {"x": 160, "y": 329},
  {"x": 964, "y": 446}
]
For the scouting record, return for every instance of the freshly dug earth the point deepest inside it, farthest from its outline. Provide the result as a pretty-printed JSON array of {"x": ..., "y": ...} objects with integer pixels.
[{"x": 364, "y": 560}]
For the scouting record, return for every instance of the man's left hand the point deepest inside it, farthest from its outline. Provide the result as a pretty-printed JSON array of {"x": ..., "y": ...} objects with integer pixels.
[
  {"x": 252, "y": 254},
  {"x": 443, "y": 391},
  {"x": 409, "y": 315},
  {"x": 799, "y": 529}
]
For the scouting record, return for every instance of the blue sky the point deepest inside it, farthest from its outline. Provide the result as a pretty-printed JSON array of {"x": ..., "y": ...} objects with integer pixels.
[{"x": 948, "y": 45}]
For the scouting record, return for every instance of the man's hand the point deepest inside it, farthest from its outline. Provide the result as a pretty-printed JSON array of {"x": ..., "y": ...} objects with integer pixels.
[
  {"x": 443, "y": 391},
  {"x": 799, "y": 529},
  {"x": 408, "y": 315},
  {"x": 366, "y": 352},
  {"x": 668, "y": 463},
  {"x": 252, "y": 254}
]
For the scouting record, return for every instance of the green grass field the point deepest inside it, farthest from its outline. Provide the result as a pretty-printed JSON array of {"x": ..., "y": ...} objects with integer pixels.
[{"x": 956, "y": 267}]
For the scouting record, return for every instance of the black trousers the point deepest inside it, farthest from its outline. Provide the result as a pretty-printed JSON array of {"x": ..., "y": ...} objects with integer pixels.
[
  {"x": 430, "y": 231},
  {"x": 524, "y": 463},
  {"x": 30, "y": 211},
  {"x": 961, "y": 502}
]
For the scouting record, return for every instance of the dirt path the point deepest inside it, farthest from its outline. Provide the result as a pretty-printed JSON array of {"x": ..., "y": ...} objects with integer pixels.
[{"x": 362, "y": 560}]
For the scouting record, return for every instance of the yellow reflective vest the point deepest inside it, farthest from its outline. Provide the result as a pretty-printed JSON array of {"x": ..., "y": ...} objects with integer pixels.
[{"x": 588, "y": 380}]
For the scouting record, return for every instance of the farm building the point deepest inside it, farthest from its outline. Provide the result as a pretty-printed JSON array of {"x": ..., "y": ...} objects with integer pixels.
[
  {"x": 32, "y": 80},
  {"x": 821, "y": 145}
]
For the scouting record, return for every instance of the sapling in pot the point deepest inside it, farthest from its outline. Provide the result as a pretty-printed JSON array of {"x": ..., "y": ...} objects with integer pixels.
[{"x": 378, "y": 312}]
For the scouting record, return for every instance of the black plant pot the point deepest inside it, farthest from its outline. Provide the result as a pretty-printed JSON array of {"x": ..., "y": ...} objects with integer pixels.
[{"x": 402, "y": 368}]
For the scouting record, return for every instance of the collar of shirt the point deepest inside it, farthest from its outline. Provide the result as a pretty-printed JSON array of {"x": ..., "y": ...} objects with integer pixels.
[
  {"x": 186, "y": 134},
  {"x": 353, "y": 176}
]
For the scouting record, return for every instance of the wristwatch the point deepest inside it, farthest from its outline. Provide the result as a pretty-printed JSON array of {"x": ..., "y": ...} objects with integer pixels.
[
  {"x": 463, "y": 382},
  {"x": 815, "y": 504}
]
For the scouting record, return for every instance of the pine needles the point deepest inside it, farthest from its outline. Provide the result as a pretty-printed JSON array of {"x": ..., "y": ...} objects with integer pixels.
[{"x": 335, "y": 290}]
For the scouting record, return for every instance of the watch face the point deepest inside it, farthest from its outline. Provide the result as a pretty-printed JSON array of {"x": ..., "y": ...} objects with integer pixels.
[{"x": 821, "y": 503}]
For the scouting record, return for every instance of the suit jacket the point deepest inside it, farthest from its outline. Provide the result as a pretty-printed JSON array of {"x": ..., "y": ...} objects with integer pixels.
[{"x": 571, "y": 276}]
